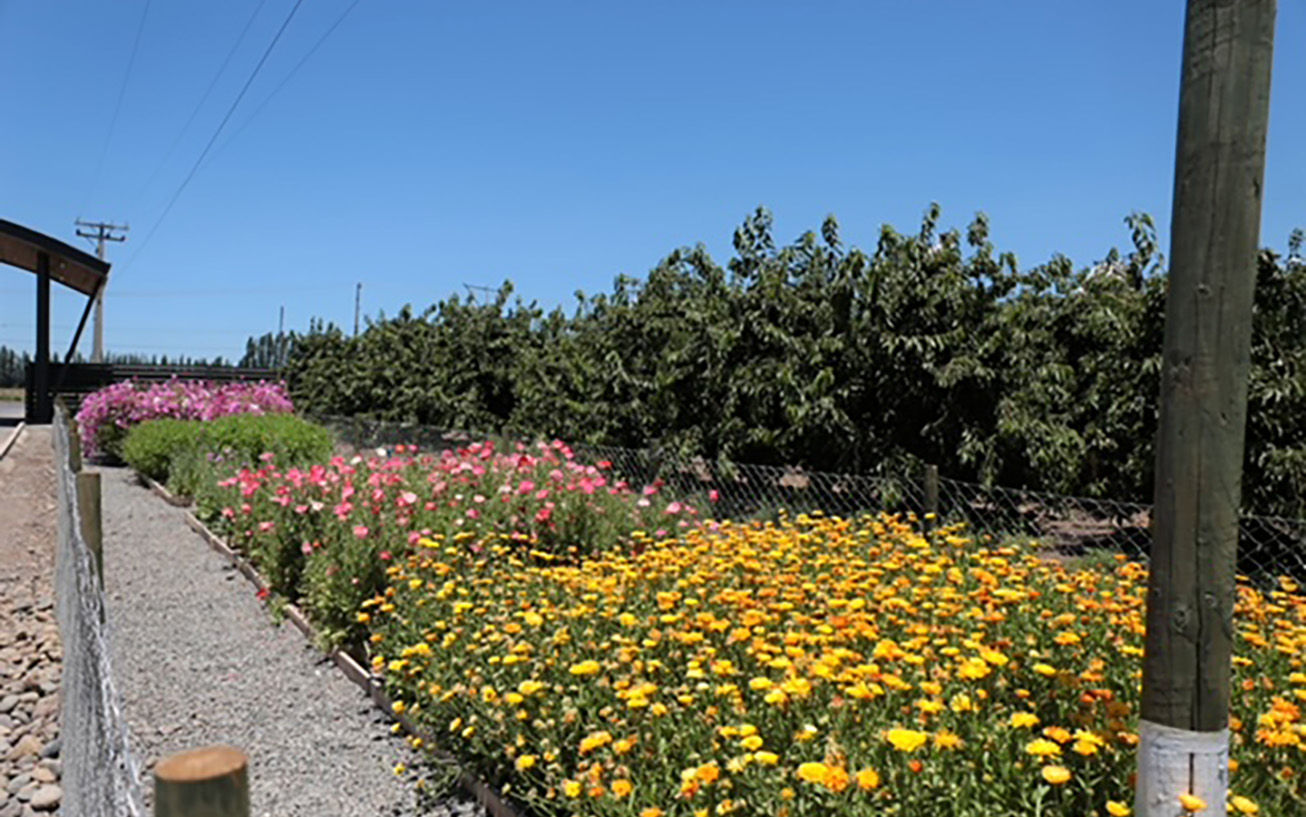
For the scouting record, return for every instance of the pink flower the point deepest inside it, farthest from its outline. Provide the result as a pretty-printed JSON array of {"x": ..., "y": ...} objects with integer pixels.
[
  {"x": 526, "y": 487},
  {"x": 361, "y": 531},
  {"x": 713, "y": 495},
  {"x": 385, "y": 556},
  {"x": 306, "y": 548},
  {"x": 674, "y": 508}
]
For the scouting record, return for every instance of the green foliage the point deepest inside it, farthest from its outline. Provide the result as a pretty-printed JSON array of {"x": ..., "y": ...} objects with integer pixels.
[
  {"x": 934, "y": 347},
  {"x": 151, "y": 446},
  {"x": 241, "y": 439},
  {"x": 189, "y": 454}
]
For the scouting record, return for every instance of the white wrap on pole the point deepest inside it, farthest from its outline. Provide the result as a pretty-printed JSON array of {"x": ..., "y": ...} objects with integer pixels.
[{"x": 1172, "y": 762}]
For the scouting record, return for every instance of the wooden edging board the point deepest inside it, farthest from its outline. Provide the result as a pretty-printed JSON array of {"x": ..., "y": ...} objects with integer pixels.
[
  {"x": 13, "y": 438},
  {"x": 371, "y": 684},
  {"x": 164, "y": 494}
]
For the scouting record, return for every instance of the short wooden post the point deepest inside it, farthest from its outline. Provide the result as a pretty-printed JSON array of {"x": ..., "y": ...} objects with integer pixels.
[
  {"x": 931, "y": 498},
  {"x": 74, "y": 445},
  {"x": 88, "y": 508},
  {"x": 209, "y": 782}
]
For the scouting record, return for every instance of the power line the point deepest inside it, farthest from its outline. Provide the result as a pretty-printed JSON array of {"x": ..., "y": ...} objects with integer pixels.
[
  {"x": 218, "y": 131},
  {"x": 117, "y": 108},
  {"x": 205, "y": 98},
  {"x": 234, "y": 136}
]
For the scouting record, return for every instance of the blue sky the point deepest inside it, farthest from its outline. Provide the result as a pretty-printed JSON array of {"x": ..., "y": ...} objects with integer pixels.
[{"x": 427, "y": 145}]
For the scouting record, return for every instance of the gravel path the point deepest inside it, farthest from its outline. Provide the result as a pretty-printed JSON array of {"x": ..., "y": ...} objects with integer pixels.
[
  {"x": 198, "y": 661},
  {"x": 30, "y": 665}
]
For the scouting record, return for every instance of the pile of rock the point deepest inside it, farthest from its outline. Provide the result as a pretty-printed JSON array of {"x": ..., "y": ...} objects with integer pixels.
[{"x": 29, "y": 708}]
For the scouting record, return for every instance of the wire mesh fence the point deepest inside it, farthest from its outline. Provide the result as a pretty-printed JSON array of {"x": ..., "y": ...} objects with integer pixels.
[
  {"x": 101, "y": 776},
  {"x": 1064, "y": 525}
]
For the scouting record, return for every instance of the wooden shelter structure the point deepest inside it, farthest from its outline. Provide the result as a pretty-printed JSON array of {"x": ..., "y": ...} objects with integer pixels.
[{"x": 51, "y": 260}]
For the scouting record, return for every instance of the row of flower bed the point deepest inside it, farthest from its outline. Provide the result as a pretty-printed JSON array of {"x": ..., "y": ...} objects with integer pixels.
[{"x": 600, "y": 648}]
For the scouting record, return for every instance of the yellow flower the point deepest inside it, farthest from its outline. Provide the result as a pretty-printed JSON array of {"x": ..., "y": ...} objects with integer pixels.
[
  {"x": 1085, "y": 748},
  {"x": 652, "y": 811},
  {"x": 868, "y": 779},
  {"x": 946, "y": 740},
  {"x": 621, "y": 788},
  {"x": 759, "y": 683},
  {"x": 907, "y": 740},
  {"x": 1244, "y": 806},
  {"x": 1056, "y": 775},
  {"x": 1023, "y": 719},
  {"x": 400, "y": 768},
  {"x": 525, "y": 762},
  {"x": 1191, "y": 802},
  {"x": 767, "y": 758},
  {"x": 529, "y": 687},
  {"x": 1042, "y": 748},
  {"x": 1045, "y": 669},
  {"x": 595, "y": 740},
  {"x": 752, "y": 743},
  {"x": 572, "y": 788},
  {"x": 812, "y": 772},
  {"x": 590, "y": 667},
  {"x": 1117, "y": 809}
]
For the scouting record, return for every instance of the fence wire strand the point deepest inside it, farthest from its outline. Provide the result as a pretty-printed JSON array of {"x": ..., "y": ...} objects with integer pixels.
[
  {"x": 1069, "y": 526},
  {"x": 101, "y": 775}
]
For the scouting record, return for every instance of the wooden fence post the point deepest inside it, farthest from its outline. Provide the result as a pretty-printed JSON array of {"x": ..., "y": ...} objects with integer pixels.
[
  {"x": 88, "y": 508},
  {"x": 931, "y": 520},
  {"x": 210, "y": 782}
]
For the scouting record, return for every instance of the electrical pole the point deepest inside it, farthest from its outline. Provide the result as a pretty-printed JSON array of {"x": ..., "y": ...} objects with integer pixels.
[
  {"x": 281, "y": 343},
  {"x": 103, "y": 232},
  {"x": 358, "y": 303},
  {"x": 1224, "y": 105}
]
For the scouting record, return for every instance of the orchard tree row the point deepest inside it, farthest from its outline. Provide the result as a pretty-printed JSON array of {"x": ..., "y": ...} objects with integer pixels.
[{"x": 932, "y": 347}]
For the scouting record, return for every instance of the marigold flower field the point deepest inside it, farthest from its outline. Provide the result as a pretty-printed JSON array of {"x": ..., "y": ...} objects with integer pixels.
[{"x": 660, "y": 664}]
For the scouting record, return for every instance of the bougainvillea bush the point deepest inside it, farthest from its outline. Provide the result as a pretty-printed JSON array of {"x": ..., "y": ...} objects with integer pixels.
[
  {"x": 324, "y": 535},
  {"x": 108, "y": 414},
  {"x": 816, "y": 666}
]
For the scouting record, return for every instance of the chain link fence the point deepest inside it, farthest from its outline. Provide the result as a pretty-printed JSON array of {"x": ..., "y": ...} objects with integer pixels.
[
  {"x": 101, "y": 776},
  {"x": 1065, "y": 526}
]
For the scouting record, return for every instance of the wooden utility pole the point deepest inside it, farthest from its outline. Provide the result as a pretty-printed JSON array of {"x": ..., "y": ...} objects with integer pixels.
[
  {"x": 1224, "y": 103},
  {"x": 103, "y": 232},
  {"x": 358, "y": 305}
]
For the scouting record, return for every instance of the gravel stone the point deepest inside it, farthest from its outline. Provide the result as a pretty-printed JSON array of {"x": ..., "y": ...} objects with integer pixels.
[
  {"x": 199, "y": 661},
  {"x": 46, "y": 798}
]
